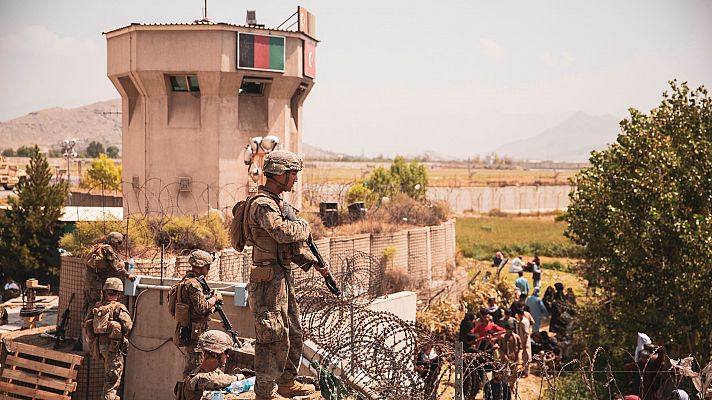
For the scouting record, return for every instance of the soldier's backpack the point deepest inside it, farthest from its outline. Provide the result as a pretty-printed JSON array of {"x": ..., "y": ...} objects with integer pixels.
[
  {"x": 239, "y": 231},
  {"x": 97, "y": 256}
]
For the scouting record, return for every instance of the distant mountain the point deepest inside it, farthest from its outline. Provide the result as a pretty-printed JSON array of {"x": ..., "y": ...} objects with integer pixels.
[
  {"x": 572, "y": 140},
  {"x": 99, "y": 121},
  {"x": 314, "y": 153}
]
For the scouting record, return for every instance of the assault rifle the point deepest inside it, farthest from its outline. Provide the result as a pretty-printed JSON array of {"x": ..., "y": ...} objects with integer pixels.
[
  {"x": 290, "y": 214},
  {"x": 218, "y": 309},
  {"x": 61, "y": 331}
]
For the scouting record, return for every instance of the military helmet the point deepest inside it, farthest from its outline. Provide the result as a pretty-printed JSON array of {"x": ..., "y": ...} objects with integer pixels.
[
  {"x": 214, "y": 341},
  {"x": 114, "y": 238},
  {"x": 280, "y": 161},
  {"x": 199, "y": 258},
  {"x": 114, "y": 284}
]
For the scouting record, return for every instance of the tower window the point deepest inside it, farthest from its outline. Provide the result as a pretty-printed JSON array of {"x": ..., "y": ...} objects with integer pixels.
[
  {"x": 184, "y": 83},
  {"x": 254, "y": 86}
]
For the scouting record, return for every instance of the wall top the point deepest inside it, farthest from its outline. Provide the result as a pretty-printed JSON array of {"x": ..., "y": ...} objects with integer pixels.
[{"x": 202, "y": 26}]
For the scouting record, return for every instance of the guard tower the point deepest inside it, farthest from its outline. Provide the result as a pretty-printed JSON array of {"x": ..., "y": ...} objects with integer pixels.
[{"x": 193, "y": 95}]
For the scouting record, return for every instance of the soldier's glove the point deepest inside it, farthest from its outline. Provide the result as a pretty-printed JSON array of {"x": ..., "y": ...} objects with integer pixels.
[{"x": 289, "y": 212}]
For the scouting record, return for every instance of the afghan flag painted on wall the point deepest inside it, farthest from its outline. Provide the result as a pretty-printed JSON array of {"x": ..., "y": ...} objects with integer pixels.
[{"x": 261, "y": 52}]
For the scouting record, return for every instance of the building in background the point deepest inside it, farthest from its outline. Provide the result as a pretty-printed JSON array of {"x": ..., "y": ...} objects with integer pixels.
[{"x": 193, "y": 95}]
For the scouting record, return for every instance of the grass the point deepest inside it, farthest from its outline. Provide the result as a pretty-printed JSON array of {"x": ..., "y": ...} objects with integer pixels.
[{"x": 481, "y": 237}]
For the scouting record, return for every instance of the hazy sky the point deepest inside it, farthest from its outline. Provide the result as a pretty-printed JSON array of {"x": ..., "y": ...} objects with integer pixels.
[{"x": 455, "y": 77}]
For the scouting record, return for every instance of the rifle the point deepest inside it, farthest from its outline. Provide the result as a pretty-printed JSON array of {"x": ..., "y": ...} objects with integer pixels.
[
  {"x": 328, "y": 278},
  {"x": 61, "y": 331},
  {"x": 218, "y": 309}
]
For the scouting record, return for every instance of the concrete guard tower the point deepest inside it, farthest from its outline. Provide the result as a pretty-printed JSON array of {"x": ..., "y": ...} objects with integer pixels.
[{"x": 192, "y": 96}]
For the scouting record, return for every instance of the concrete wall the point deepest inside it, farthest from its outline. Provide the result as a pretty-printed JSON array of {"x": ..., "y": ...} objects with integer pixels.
[
  {"x": 200, "y": 135},
  {"x": 513, "y": 199}
]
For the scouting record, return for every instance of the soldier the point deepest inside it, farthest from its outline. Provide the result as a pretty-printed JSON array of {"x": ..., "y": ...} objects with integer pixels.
[
  {"x": 105, "y": 335},
  {"x": 193, "y": 309},
  {"x": 209, "y": 375},
  {"x": 278, "y": 243},
  {"x": 103, "y": 262}
]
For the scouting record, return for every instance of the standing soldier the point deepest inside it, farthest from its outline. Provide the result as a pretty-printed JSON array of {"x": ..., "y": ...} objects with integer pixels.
[
  {"x": 106, "y": 333},
  {"x": 103, "y": 262},
  {"x": 192, "y": 309},
  {"x": 277, "y": 243}
]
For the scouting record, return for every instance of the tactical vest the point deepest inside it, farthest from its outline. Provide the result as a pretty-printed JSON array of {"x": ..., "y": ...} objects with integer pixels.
[{"x": 266, "y": 250}]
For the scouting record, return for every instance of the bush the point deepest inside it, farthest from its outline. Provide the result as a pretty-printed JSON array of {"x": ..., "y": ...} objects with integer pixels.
[
  {"x": 404, "y": 209},
  {"x": 87, "y": 233},
  {"x": 205, "y": 232}
]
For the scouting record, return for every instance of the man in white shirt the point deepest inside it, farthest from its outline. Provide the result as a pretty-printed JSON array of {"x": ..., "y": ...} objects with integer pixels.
[{"x": 516, "y": 265}]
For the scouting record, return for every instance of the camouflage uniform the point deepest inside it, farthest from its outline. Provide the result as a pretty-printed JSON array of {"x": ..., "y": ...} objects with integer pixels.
[
  {"x": 103, "y": 262},
  {"x": 277, "y": 246},
  {"x": 112, "y": 345},
  {"x": 191, "y": 293},
  {"x": 200, "y": 380}
]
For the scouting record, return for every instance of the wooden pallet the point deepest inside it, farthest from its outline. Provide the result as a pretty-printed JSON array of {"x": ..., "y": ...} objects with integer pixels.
[{"x": 32, "y": 372}]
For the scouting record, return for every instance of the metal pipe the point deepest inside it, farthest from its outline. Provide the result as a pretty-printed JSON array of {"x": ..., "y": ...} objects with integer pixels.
[{"x": 162, "y": 287}]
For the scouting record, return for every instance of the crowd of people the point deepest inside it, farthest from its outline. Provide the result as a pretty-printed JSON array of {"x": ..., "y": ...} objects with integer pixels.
[{"x": 504, "y": 340}]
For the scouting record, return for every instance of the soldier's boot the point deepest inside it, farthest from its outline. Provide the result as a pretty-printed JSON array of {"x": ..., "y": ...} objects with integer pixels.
[{"x": 295, "y": 388}]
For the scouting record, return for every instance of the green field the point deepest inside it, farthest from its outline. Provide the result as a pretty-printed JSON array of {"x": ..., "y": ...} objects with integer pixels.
[{"x": 481, "y": 237}]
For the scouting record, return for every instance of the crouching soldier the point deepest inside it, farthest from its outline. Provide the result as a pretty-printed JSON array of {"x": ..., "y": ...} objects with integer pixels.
[
  {"x": 105, "y": 334},
  {"x": 209, "y": 375}
]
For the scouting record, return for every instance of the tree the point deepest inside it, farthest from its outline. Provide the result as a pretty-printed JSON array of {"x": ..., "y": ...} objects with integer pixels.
[
  {"x": 103, "y": 174},
  {"x": 30, "y": 228},
  {"x": 94, "y": 149},
  {"x": 25, "y": 151},
  {"x": 412, "y": 177},
  {"x": 402, "y": 177},
  {"x": 360, "y": 192},
  {"x": 8, "y": 152},
  {"x": 112, "y": 152},
  {"x": 382, "y": 183},
  {"x": 643, "y": 213}
]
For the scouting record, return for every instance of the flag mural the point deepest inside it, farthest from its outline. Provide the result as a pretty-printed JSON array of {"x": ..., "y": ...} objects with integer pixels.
[
  {"x": 307, "y": 22},
  {"x": 309, "y": 59},
  {"x": 261, "y": 52}
]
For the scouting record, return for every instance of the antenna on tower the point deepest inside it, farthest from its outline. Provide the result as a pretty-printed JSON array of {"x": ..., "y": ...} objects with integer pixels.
[{"x": 205, "y": 14}]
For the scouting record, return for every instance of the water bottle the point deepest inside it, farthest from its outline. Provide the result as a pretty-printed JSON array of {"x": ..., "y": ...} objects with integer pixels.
[
  {"x": 131, "y": 266},
  {"x": 241, "y": 386}
]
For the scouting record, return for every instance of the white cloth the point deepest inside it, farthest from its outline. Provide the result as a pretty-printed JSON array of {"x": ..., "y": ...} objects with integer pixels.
[
  {"x": 11, "y": 285},
  {"x": 643, "y": 339},
  {"x": 516, "y": 265},
  {"x": 536, "y": 268}
]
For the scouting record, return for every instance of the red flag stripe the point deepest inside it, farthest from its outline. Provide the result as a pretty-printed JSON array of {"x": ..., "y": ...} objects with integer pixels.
[{"x": 261, "y": 51}]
